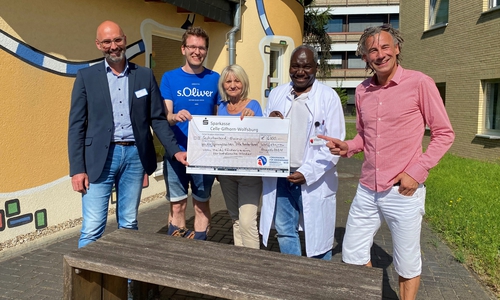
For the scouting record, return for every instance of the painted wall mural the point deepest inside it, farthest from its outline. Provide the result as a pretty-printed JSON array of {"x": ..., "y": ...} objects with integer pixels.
[
  {"x": 38, "y": 71},
  {"x": 12, "y": 217},
  {"x": 51, "y": 63},
  {"x": 263, "y": 17}
]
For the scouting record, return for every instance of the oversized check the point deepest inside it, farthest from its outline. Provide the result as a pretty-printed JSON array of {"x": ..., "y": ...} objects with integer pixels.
[{"x": 254, "y": 146}]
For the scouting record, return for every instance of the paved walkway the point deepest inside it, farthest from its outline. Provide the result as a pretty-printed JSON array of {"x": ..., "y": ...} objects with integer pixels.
[{"x": 36, "y": 273}]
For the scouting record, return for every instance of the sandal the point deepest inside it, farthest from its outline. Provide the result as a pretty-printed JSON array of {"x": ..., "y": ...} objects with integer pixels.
[
  {"x": 179, "y": 232},
  {"x": 198, "y": 235}
]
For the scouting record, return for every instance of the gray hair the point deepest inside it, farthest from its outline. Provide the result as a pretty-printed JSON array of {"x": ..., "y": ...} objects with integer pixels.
[
  {"x": 309, "y": 47},
  {"x": 371, "y": 31}
]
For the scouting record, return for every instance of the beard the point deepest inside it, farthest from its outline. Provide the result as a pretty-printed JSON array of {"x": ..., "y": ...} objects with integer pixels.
[{"x": 120, "y": 55}]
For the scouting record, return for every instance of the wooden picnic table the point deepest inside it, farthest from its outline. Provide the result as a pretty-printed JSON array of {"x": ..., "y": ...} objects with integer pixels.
[{"x": 100, "y": 270}]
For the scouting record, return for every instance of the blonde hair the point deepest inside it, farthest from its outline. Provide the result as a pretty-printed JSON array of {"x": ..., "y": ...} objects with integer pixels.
[{"x": 239, "y": 73}]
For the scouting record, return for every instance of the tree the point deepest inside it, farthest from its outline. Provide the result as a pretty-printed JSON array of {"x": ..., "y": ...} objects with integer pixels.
[
  {"x": 342, "y": 95},
  {"x": 315, "y": 34}
]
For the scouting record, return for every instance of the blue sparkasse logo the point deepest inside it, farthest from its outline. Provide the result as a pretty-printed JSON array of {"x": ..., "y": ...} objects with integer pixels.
[{"x": 261, "y": 160}]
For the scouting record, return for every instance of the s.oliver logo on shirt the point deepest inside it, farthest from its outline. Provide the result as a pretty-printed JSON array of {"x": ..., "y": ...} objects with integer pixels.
[{"x": 194, "y": 92}]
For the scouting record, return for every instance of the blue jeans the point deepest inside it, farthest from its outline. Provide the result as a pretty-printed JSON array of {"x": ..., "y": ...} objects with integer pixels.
[
  {"x": 286, "y": 218},
  {"x": 124, "y": 170}
]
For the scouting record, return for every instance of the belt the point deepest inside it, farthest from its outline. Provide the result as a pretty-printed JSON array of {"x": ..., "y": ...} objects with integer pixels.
[{"x": 124, "y": 143}]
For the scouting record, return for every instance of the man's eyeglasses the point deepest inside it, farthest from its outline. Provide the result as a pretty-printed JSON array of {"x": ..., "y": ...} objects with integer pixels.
[
  {"x": 193, "y": 48},
  {"x": 117, "y": 40}
]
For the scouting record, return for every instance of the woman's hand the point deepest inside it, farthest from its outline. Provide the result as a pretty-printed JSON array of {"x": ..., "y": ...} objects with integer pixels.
[{"x": 247, "y": 112}]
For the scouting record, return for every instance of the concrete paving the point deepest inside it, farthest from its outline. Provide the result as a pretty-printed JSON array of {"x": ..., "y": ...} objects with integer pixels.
[{"x": 35, "y": 271}]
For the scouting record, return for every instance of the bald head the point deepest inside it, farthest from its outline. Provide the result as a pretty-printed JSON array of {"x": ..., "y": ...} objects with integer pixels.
[
  {"x": 112, "y": 42},
  {"x": 303, "y": 68},
  {"x": 108, "y": 27}
]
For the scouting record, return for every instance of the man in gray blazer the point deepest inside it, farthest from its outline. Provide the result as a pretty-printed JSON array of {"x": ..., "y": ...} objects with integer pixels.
[{"x": 113, "y": 106}]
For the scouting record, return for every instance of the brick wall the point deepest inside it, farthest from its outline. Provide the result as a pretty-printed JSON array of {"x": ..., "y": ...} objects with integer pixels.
[{"x": 461, "y": 54}]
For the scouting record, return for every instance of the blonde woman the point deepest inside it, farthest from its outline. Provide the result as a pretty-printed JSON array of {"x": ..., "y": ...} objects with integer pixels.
[{"x": 241, "y": 193}]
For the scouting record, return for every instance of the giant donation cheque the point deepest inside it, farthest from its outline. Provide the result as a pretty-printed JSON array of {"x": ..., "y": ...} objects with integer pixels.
[{"x": 224, "y": 145}]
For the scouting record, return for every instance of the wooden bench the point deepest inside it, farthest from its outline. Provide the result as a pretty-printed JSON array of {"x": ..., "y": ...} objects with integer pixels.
[{"x": 100, "y": 270}]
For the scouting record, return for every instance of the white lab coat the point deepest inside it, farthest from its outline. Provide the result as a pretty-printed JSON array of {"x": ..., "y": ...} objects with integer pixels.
[{"x": 318, "y": 168}]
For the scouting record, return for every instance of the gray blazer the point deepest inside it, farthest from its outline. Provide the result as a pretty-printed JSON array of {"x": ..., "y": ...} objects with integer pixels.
[{"x": 91, "y": 120}]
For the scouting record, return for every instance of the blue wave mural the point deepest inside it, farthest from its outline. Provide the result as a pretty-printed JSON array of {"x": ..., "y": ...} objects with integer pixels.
[
  {"x": 51, "y": 63},
  {"x": 263, "y": 17}
]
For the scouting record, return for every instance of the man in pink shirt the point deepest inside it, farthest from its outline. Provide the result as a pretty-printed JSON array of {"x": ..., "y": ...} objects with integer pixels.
[{"x": 393, "y": 108}]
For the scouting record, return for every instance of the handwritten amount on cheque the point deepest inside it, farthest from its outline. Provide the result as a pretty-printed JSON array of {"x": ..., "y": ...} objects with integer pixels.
[{"x": 230, "y": 147}]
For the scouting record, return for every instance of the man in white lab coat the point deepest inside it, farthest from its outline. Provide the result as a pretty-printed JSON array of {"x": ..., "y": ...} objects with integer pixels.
[{"x": 306, "y": 199}]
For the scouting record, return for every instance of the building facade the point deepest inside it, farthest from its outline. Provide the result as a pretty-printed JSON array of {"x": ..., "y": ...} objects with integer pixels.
[
  {"x": 348, "y": 19},
  {"x": 40, "y": 54},
  {"x": 456, "y": 43}
]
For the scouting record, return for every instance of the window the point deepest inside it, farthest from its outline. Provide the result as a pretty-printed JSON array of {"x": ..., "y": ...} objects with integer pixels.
[
  {"x": 335, "y": 24},
  {"x": 345, "y": 60},
  {"x": 438, "y": 12},
  {"x": 494, "y": 3},
  {"x": 275, "y": 66},
  {"x": 492, "y": 107},
  {"x": 358, "y": 23},
  {"x": 273, "y": 50},
  {"x": 351, "y": 93},
  {"x": 354, "y": 61},
  {"x": 335, "y": 61},
  {"x": 441, "y": 86},
  {"x": 394, "y": 21}
]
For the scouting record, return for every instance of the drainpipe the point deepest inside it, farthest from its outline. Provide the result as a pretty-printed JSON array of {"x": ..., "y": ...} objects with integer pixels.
[{"x": 232, "y": 33}]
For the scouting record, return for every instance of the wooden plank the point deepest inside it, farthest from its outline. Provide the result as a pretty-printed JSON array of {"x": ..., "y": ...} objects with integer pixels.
[
  {"x": 145, "y": 290},
  {"x": 87, "y": 285},
  {"x": 114, "y": 287},
  {"x": 80, "y": 283},
  {"x": 224, "y": 270},
  {"x": 67, "y": 280}
]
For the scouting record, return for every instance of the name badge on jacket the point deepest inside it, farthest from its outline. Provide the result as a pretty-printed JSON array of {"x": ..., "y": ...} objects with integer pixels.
[
  {"x": 141, "y": 93},
  {"x": 319, "y": 129}
]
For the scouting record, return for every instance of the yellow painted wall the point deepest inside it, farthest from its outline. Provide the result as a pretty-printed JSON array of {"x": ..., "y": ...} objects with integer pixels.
[
  {"x": 67, "y": 28},
  {"x": 35, "y": 102},
  {"x": 36, "y": 105},
  {"x": 286, "y": 18},
  {"x": 33, "y": 129}
]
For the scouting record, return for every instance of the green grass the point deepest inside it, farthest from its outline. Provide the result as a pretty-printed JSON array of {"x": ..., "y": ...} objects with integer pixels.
[
  {"x": 350, "y": 132},
  {"x": 463, "y": 207},
  {"x": 348, "y": 118}
]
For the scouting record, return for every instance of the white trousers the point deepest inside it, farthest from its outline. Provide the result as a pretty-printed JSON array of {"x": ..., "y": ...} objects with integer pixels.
[{"x": 403, "y": 215}]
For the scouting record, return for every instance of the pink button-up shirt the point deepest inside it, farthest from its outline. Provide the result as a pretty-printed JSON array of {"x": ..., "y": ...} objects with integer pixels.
[{"x": 391, "y": 123}]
